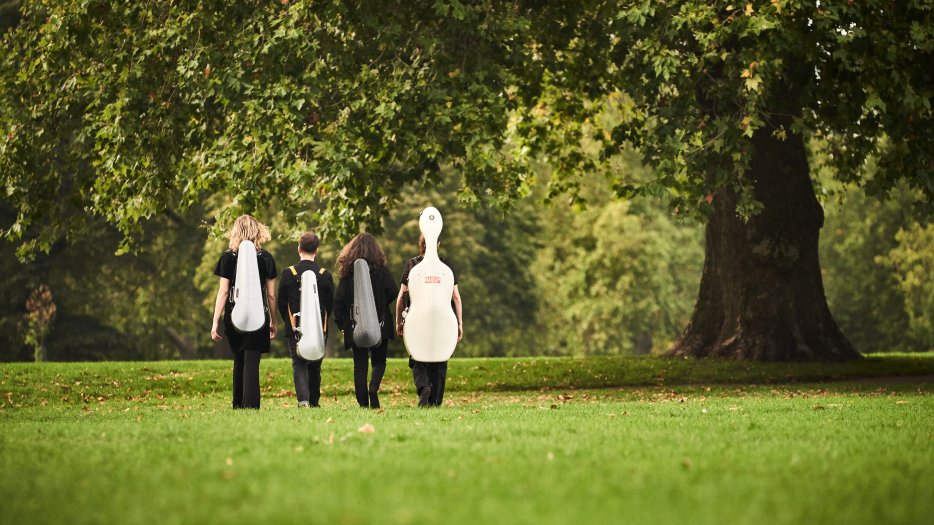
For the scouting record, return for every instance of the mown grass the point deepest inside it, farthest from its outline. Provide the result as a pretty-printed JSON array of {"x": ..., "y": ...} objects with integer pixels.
[
  {"x": 26, "y": 384},
  {"x": 602, "y": 440}
]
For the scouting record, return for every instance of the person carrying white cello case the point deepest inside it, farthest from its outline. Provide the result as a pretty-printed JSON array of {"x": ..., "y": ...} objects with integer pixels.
[
  {"x": 246, "y": 289},
  {"x": 306, "y": 292},
  {"x": 429, "y": 312}
]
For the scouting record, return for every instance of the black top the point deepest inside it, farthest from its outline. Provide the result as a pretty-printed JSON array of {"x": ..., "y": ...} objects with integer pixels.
[
  {"x": 408, "y": 268},
  {"x": 290, "y": 296},
  {"x": 227, "y": 267},
  {"x": 384, "y": 292}
]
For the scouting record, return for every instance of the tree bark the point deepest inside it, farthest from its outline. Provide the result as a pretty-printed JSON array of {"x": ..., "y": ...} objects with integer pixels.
[
  {"x": 186, "y": 349},
  {"x": 761, "y": 295}
]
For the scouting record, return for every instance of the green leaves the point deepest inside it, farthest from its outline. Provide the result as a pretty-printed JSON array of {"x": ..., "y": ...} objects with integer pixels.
[
  {"x": 620, "y": 274},
  {"x": 126, "y": 110},
  {"x": 322, "y": 107},
  {"x": 705, "y": 79}
]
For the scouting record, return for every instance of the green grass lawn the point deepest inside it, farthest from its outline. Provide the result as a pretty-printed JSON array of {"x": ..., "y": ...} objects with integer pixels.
[{"x": 604, "y": 440}]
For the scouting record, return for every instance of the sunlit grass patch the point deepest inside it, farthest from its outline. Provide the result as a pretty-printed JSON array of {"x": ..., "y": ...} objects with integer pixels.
[{"x": 144, "y": 442}]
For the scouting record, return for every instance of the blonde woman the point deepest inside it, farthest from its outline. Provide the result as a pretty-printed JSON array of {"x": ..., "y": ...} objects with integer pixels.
[{"x": 246, "y": 347}]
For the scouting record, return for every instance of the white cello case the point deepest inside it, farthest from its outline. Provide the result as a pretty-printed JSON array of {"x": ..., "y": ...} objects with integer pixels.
[
  {"x": 248, "y": 314},
  {"x": 311, "y": 344},
  {"x": 430, "y": 329}
]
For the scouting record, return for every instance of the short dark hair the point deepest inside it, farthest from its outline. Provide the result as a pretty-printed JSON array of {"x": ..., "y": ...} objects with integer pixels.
[{"x": 309, "y": 242}]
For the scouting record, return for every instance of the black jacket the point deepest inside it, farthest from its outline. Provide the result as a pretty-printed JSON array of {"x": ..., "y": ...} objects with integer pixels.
[
  {"x": 384, "y": 292},
  {"x": 289, "y": 297}
]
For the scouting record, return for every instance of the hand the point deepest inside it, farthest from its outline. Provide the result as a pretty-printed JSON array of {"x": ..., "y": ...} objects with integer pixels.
[
  {"x": 399, "y": 326},
  {"x": 272, "y": 330},
  {"x": 214, "y": 335},
  {"x": 460, "y": 331}
]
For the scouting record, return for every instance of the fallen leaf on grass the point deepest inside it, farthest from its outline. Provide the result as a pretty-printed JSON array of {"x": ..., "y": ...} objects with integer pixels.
[
  {"x": 901, "y": 402},
  {"x": 818, "y": 407},
  {"x": 330, "y": 420},
  {"x": 367, "y": 429}
]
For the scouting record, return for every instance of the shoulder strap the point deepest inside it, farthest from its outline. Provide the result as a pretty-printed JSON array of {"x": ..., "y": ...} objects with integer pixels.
[
  {"x": 298, "y": 277},
  {"x": 288, "y": 306}
]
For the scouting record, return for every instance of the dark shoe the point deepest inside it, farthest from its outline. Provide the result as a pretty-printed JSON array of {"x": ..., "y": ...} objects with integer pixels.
[
  {"x": 424, "y": 397},
  {"x": 374, "y": 400}
]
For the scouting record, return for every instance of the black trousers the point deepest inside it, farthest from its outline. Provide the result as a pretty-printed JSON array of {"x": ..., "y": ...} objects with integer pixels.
[
  {"x": 246, "y": 379},
  {"x": 430, "y": 374},
  {"x": 305, "y": 374},
  {"x": 378, "y": 358}
]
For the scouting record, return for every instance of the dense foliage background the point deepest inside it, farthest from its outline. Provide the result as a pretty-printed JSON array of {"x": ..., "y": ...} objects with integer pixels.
[
  {"x": 142, "y": 129},
  {"x": 608, "y": 277}
]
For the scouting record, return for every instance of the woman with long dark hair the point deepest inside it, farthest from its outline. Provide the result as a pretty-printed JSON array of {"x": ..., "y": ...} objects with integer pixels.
[{"x": 364, "y": 247}]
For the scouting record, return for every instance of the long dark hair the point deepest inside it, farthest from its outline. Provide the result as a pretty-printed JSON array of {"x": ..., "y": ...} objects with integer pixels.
[{"x": 364, "y": 247}]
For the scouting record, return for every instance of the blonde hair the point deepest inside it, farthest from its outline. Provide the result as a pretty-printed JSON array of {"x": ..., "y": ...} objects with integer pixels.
[{"x": 247, "y": 228}]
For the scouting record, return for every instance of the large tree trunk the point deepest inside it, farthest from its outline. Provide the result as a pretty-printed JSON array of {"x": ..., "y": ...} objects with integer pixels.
[
  {"x": 186, "y": 349},
  {"x": 761, "y": 295}
]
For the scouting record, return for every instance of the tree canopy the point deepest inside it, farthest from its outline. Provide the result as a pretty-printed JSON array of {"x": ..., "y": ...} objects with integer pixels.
[
  {"x": 322, "y": 109},
  {"x": 694, "y": 81},
  {"x": 327, "y": 109},
  {"x": 720, "y": 100},
  {"x": 326, "y": 112}
]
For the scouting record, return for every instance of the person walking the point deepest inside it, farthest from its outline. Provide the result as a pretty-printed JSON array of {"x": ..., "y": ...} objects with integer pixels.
[
  {"x": 247, "y": 347},
  {"x": 429, "y": 378},
  {"x": 305, "y": 374},
  {"x": 364, "y": 247}
]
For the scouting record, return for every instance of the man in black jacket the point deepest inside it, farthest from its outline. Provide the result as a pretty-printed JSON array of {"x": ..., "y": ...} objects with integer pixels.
[{"x": 306, "y": 374}]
